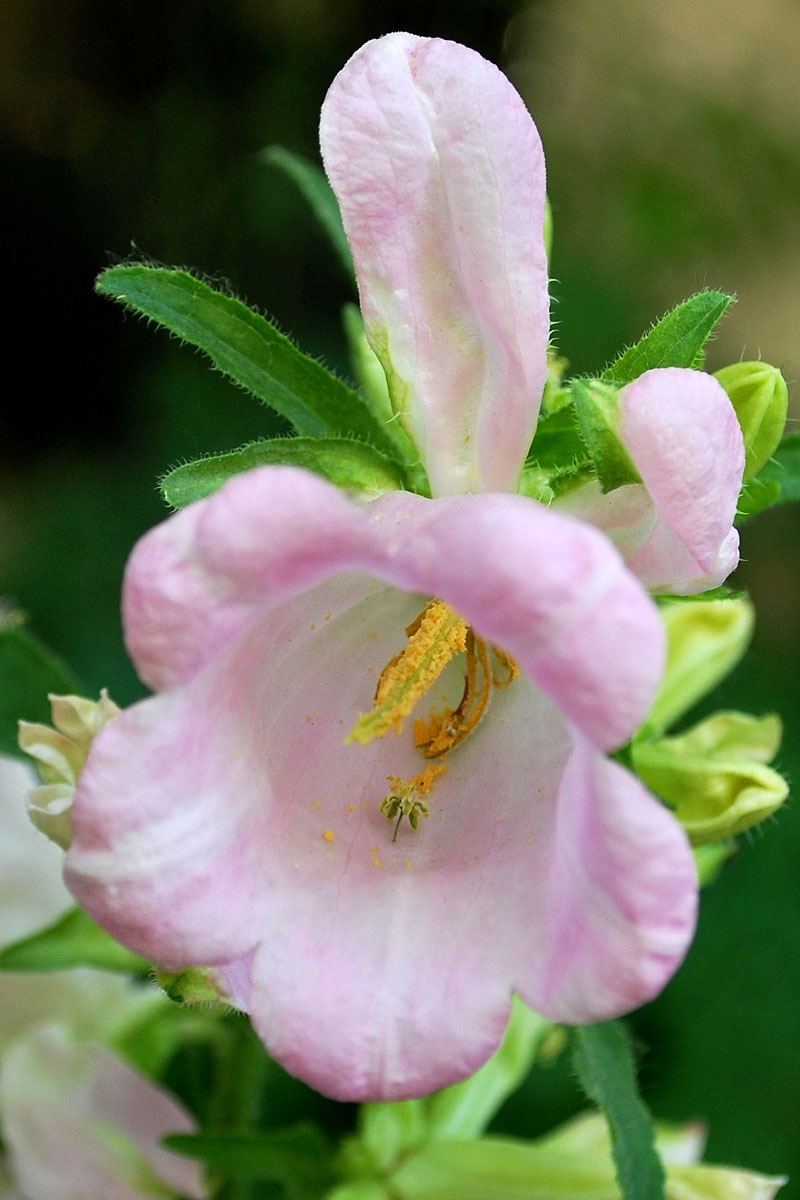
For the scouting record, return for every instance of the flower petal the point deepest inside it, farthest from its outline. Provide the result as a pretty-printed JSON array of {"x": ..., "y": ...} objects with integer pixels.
[
  {"x": 440, "y": 177},
  {"x": 548, "y": 589},
  {"x": 79, "y": 1122},
  {"x": 198, "y": 578},
  {"x": 617, "y": 895}
]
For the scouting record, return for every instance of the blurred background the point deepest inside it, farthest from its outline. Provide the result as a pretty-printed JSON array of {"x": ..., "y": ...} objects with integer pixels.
[{"x": 672, "y": 135}]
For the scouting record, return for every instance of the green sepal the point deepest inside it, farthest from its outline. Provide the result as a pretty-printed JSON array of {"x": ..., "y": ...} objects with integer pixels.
[
  {"x": 72, "y": 941},
  {"x": 193, "y": 986},
  {"x": 311, "y": 182},
  {"x": 386, "y": 1133},
  {"x": 705, "y": 640},
  {"x": 777, "y": 483},
  {"x": 356, "y": 467},
  {"x": 248, "y": 349},
  {"x": 606, "y": 1071},
  {"x": 714, "y": 775},
  {"x": 465, "y": 1109},
  {"x": 598, "y": 411},
  {"x": 677, "y": 340},
  {"x": 710, "y": 859},
  {"x": 28, "y": 673},
  {"x": 297, "y": 1157},
  {"x": 759, "y": 394}
]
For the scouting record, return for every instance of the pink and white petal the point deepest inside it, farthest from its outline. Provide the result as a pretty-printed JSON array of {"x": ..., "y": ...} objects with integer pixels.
[
  {"x": 439, "y": 173},
  {"x": 627, "y": 515},
  {"x": 616, "y": 900},
  {"x": 549, "y": 590},
  {"x": 200, "y": 577},
  {"x": 665, "y": 565},
  {"x": 683, "y": 435},
  {"x": 79, "y": 1122}
]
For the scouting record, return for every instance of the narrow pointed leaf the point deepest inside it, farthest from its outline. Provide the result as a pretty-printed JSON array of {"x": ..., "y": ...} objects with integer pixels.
[
  {"x": 606, "y": 1070},
  {"x": 297, "y": 1157},
  {"x": 777, "y": 483},
  {"x": 675, "y": 341},
  {"x": 248, "y": 348},
  {"x": 355, "y": 467},
  {"x": 72, "y": 941},
  {"x": 310, "y": 180},
  {"x": 28, "y": 671}
]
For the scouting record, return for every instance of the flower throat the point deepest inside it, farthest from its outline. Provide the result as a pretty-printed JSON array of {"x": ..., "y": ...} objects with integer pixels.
[{"x": 435, "y": 637}]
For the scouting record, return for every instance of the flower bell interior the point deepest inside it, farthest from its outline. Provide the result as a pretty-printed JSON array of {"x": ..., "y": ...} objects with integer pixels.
[{"x": 436, "y": 637}]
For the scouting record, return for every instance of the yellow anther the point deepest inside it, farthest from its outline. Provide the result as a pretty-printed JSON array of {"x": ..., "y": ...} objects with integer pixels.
[
  {"x": 435, "y": 637},
  {"x": 505, "y": 670},
  {"x": 446, "y": 730}
]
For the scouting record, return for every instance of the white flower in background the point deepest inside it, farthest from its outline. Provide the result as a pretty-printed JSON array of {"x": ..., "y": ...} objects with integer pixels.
[{"x": 77, "y": 1122}]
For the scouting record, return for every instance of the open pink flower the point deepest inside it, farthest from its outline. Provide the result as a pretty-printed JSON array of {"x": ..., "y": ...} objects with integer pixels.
[
  {"x": 372, "y": 785},
  {"x": 227, "y": 818}
]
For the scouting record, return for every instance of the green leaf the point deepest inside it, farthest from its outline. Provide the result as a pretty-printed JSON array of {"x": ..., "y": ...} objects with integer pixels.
[
  {"x": 605, "y": 1066},
  {"x": 73, "y": 941},
  {"x": 311, "y": 181},
  {"x": 777, "y": 483},
  {"x": 297, "y": 1157},
  {"x": 248, "y": 348},
  {"x": 354, "y": 466},
  {"x": 28, "y": 672},
  {"x": 674, "y": 341}
]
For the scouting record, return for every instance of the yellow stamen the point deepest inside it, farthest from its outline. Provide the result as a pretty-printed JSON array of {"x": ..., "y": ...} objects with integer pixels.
[
  {"x": 444, "y": 731},
  {"x": 435, "y": 637},
  {"x": 506, "y": 670}
]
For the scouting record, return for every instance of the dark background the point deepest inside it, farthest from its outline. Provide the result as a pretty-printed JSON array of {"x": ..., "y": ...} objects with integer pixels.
[{"x": 673, "y": 146}]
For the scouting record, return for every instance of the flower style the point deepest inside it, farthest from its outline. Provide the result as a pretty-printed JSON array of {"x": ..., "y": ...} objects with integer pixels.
[{"x": 372, "y": 785}]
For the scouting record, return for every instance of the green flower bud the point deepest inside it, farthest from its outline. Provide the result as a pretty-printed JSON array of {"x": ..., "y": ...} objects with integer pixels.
[
  {"x": 759, "y": 394},
  {"x": 705, "y": 640},
  {"x": 714, "y": 776},
  {"x": 60, "y": 752},
  {"x": 598, "y": 412}
]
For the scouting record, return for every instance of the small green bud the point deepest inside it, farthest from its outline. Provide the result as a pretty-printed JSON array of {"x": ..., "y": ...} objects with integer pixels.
[
  {"x": 714, "y": 776},
  {"x": 598, "y": 410},
  {"x": 705, "y": 640},
  {"x": 759, "y": 394}
]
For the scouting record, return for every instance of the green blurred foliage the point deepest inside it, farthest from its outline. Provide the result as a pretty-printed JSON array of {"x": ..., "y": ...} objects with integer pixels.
[{"x": 140, "y": 125}]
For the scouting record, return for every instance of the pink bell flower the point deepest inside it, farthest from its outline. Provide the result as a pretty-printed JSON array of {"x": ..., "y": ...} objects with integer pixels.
[{"x": 372, "y": 785}]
